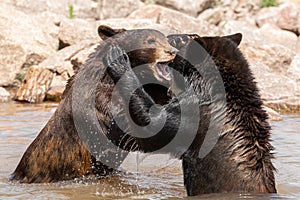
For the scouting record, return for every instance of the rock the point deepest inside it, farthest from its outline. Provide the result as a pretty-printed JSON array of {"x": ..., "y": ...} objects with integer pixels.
[
  {"x": 21, "y": 44},
  {"x": 289, "y": 17},
  {"x": 235, "y": 26},
  {"x": 213, "y": 15},
  {"x": 242, "y": 9},
  {"x": 35, "y": 84},
  {"x": 294, "y": 69},
  {"x": 4, "y": 95},
  {"x": 190, "y": 7},
  {"x": 291, "y": 105},
  {"x": 61, "y": 60},
  {"x": 117, "y": 9},
  {"x": 273, "y": 85},
  {"x": 81, "y": 8},
  {"x": 56, "y": 89},
  {"x": 62, "y": 65},
  {"x": 49, "y": 22},
  {"x": 277, "y": 57},
  {"x": 278, "y": 91},
  {"x": 292, "y": 1},
  {"x": 81, "y": 56},
  {"x": 268, "y": 45},
  {"x": 12, "y": 57},
  {"x": 273, "y": 115},
  {"x": 182, "y": 24},
  {"x": 87, "y": 9},
  {"x": 271, "y": 34},
  {"x": 73, "y": 31},
  {"x": 268, "y": 15},
  {"x": 270, "y": 52}
]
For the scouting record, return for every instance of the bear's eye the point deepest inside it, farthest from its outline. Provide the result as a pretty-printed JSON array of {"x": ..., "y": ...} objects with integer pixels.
[{"x": 151, "y": 41}]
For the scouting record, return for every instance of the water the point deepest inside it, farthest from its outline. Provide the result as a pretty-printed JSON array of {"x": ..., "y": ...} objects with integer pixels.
[{"x": 157, "y": 177}]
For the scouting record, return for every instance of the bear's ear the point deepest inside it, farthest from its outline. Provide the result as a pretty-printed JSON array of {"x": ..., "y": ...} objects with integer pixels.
[
  {"x": 236, "y": 38},
  {"x": 105, "y": 31},
  {"x": 196, "y": 50}
]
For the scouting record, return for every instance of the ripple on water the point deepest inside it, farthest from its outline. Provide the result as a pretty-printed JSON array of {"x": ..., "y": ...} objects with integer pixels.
[{"x": 20, "y": 123}]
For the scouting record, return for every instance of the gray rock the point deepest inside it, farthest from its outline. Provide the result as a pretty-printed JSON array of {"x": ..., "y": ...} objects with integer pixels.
[
  {"x": 56, "y": 89},
  {"x": 241, "y": 10},
  {"x": 133, "y": 22},
  {"x": 56, "y": 61},
  {"x": 73, "y": 31},
  {"x": 182, "y": 24},
  {"x": 117, "y": 8},
  {"x": 50, "y": 23},
  {"x": 289, "y": 17},
  {"x": 271, "y": 34},
  {"x": 271, "y": 53},
  {"x": 49, "y": 78},
  {"x": 12, "y": 58},
  {"x": 190, "y": 7},
  {"x": 4, "y": 95},
  {"x": 81, "y": 8},
  {"x": 63, "y": 64},
  {"x": 294, "y": 69},
  {"x": 277, "y": 57},
  {"x": 268, "y": 15},
  {"x": 235, "y": 26},
  {"x": 213, "y": 15},
  {"x": 278, "y": 91},
  {"x": 22, "y": 43}
]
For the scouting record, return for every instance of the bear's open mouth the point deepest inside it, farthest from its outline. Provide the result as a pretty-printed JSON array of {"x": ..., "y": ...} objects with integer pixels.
[{"x": 163, "y": 70}]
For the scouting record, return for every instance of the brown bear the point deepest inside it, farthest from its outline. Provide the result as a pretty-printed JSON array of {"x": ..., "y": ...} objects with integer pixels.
[
  {"x": 68, "y": 146},
  {"x": 237, "y": 154}
]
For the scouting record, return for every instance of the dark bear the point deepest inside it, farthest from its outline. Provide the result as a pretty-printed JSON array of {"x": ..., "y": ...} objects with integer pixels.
[
  {"x": 68, "y": 146},
  {"x": 240, "y": 159}
]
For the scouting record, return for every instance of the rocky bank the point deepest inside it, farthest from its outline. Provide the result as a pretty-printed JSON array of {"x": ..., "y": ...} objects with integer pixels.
[{"x": 43, "y": 42}]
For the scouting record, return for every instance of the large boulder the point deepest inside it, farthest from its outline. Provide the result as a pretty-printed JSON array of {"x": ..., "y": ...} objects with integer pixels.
[
  {"x": 183, "y": 23},
  {"x": 268, "y": 15},
  {"x": 235, "y": 26},
  {"x": 190, "y": 7},
  {"x": 268, "y": 45},
  {"x": 277, "y": 57},
  {"x": 117, "y": 8},
  {"x": 73, "y": 31},
  {"x": 271, "y": 34},
  {"x": 294, "y": 69},
  {"x": 213, "y": 15},
  {"x": 271, "y": 55},
  {"x": 278, "y": 91},
  {"x": 49, "y": 23},
  {"x": 4, "y": 95},
  {"x": 48, "y": 79},
  {"x": 81, "y": 8},
  {"x": 289, "y": 17},
  {"x": 134, "y": 23},
  {"x": 22, "y": 43},
  {"x": 35, "y": 84}
]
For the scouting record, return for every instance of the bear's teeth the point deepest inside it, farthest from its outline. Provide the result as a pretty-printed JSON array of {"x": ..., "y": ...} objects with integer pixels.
[{"x": 163, "y": 71}]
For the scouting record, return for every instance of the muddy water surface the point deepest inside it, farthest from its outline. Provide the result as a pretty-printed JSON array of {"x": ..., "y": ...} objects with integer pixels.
[{"x": 155, "y": 177}]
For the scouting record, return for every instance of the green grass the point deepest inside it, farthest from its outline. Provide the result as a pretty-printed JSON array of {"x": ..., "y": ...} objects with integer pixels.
[
  {"x": 268, "y": 3},
  {"x": 149, "y": 2},
  {"x": 71, "y": 14},
  {"x": 20, "y": 76}
]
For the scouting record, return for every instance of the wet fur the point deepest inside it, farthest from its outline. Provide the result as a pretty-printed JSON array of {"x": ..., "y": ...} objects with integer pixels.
[
  {"x": 241, "y": 159},
  {"x": 58, "y": 153}
]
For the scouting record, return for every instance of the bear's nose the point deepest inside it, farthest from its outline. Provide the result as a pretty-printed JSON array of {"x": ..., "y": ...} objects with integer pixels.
[{"x": 172, "y": 51}]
